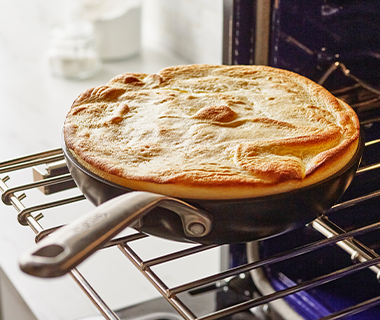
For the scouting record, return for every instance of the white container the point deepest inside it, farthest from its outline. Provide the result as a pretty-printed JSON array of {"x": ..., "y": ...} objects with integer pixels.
[
  {"x": 117, "y": 25},
  {"x": 119, "y": 37}
]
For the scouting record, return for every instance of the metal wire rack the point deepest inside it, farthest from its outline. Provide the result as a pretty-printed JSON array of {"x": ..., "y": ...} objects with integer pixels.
[
  {"x": 51, "y": 176},
  {"x": 55, "y": 176}
]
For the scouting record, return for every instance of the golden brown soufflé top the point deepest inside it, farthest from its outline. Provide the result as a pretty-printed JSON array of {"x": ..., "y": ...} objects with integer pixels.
[{"x": 212, "y": 131}]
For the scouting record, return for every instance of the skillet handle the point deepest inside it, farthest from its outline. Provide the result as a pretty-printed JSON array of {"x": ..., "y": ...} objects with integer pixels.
[{"x": 65, "y": 248}]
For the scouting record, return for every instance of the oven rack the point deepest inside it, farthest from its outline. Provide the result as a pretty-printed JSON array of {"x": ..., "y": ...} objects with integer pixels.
[{"x": 55, "y": 177}]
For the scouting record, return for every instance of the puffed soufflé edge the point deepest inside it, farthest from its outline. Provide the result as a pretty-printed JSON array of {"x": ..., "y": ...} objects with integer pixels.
[{"x": 328, "y": 164}]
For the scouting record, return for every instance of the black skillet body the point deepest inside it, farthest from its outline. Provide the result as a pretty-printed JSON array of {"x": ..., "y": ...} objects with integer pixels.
[{"x": 233, "y": 221}]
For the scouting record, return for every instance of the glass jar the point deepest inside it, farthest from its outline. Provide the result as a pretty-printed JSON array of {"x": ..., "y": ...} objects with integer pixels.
[{"x": 72, "y": 53}]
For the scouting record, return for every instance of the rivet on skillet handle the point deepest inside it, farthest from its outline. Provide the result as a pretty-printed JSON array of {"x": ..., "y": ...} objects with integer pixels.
[{"x": 65, "y": 248}]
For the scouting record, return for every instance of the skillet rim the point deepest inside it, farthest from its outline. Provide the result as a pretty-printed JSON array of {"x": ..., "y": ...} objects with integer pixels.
[{"x": 356, "y": 158}]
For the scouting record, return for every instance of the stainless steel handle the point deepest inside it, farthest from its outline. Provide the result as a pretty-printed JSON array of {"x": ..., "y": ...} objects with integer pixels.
[{"x": 65, "y": 248}]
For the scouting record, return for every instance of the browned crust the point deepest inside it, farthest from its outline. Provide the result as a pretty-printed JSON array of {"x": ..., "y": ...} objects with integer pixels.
[{"x": 259, "y": 163}]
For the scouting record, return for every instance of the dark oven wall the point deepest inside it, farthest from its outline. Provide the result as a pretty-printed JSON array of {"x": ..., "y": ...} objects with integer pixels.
[{"x": 305, "y": 36}]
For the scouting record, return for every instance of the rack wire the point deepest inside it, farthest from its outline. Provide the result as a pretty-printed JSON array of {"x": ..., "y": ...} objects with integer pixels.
[
  {"x": 52, "y": 176},
  {"x": 30, "y": 216}
]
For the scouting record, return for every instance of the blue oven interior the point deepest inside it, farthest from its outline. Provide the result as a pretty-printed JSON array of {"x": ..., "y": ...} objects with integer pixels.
[{"x": 308, "y": 36}]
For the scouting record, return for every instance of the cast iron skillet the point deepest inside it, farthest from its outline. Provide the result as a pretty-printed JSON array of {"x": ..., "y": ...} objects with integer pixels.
[{"x": 194, "y": 220}]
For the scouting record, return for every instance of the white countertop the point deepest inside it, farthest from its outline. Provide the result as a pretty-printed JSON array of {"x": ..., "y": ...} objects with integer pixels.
[{"x": 33, "y": 105}]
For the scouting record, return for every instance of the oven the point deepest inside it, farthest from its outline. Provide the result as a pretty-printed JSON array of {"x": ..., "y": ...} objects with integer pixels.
[{"x": 328, "y": 269}]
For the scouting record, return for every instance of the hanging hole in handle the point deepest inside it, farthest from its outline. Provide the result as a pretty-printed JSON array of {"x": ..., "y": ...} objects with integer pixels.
[{"x": 50, "y": 251}]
